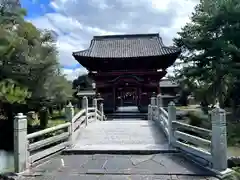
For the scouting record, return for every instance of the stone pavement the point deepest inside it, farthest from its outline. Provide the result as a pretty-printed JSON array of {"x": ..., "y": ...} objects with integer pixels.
[
  {"x": 117, "y": 167},
  {"x": 121, "y": 136}
]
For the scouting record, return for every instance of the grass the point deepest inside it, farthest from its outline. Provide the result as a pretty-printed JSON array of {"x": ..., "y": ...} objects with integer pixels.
[
  {"x": 58, "y": 117},
  {"x": 56, "y": 122},
  {"x": 235, "y": 175},
  {"x": 182, "y": 107},
  {"x": 234, "y": 151},
  {"x": 7, "y": 170},
  {"x": 233, "y": 138},
  {"x": 233, "y": 132},
  {"x": 51, "y": 122}
]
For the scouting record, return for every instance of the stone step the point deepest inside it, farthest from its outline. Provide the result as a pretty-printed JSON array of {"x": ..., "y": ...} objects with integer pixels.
[
  {"x": 124, "y": 115},
  {"x": 120, "y": 149}
]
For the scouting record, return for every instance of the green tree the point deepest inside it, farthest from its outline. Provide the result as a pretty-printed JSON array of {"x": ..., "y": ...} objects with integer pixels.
[
  {"x": 83, "y": 81},
  {"x": 12, "y": 92},
  {"x": 28, "y": 56},
  {"x": 60, "y": 89},
  {"x": 29, "y": 59},
  {"x": 210, "y": 49}
]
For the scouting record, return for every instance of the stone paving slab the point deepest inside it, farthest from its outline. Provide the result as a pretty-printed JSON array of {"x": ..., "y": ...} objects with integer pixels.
[
  {"x": 121, "y": 135},
  {"x": 119, "y": 177},
  {"x": 108, "y": 166}
]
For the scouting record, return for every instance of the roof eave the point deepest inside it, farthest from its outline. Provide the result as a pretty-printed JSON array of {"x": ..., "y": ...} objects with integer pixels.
[{"x": 177, "y": 53}]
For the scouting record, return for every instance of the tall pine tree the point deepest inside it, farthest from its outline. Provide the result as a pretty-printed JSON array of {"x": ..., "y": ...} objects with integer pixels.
[{"x": 210, "y": 44}]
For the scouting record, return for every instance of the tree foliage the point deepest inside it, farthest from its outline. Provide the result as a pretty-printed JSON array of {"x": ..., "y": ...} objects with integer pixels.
[
  {"x": 60, "y": 89},
  {"x": 82, "y": 82},
  {"x": 12, "y": 92},
  {"x": 28, "y": 61},
  {"x": 210, "y": 45}
]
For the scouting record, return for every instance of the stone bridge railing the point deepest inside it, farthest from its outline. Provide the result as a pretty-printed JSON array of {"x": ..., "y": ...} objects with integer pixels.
[
  {"x": 30, "y": 149},
  {"x": 206, "y": 147}
]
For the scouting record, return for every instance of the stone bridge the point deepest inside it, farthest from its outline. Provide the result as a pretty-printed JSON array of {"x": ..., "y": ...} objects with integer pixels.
[{"x": 91, "y": 146}]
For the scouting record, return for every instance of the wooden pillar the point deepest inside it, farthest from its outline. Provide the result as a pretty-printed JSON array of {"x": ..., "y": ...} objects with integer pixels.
[
  {"x": 158, "y": 89},
  {"x": 139, "y": 95},
  {"x": 121, "y": 98},
  {"x": 114, "y": 98}
]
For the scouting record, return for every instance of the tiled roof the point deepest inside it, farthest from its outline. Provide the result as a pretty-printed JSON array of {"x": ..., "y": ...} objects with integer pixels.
[{"x": 124, "y": 46}]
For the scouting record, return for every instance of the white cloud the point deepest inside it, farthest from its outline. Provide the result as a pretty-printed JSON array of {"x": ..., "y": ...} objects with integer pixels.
[
  {"x": 72, "y": 74},
  {"x": 76, "y": 21}
]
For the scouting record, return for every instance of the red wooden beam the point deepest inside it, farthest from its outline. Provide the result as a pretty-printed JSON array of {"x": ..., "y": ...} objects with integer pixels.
[{"x": 129, "y": 72}]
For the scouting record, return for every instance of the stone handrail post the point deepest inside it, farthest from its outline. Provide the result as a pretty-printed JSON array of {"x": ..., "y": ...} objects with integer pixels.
[
  {"x": 69, "y": 110},
  {"x": 152, "y": 108},
  {"x": 219, "y": 139},
  {"x": 171, "y": 118},
  {"x": 159, "y": 104},
  {"x": 150, "y": 112},
  {"x": 153, "y": 101},
  {"x": 95, "y": 105},
  {"x": 153, "y": 105},
  {"x": 20, "y": 143},
  {"x": 159, "y": 100},
  {"x": 85, "y": 106},
  {"x": 102, "y": 112}
]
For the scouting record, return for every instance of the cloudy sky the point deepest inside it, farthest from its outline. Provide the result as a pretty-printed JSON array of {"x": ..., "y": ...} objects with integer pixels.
[{"x": 75, "y": 22}]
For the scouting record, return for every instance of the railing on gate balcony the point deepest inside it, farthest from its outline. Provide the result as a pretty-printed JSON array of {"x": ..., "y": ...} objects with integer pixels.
[
  {"x": 208, "y": 145},
  {"x": 28, "y": 152}
]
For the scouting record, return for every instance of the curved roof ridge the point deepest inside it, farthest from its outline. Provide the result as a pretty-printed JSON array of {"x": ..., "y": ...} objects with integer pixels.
[{"x": 125, "y": 36}]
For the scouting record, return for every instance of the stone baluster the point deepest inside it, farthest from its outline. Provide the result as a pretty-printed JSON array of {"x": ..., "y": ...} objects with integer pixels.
[
  {"x": 171, "y": 118},
  {"x": 219, "y": 139},
  {"x": 21, "y": 153},
  {"x": 85, "y": 106},
  {"x": 102, "y": 112},
  {"x": 95, "y": 105},
  {"x": 69, "y": 110}
]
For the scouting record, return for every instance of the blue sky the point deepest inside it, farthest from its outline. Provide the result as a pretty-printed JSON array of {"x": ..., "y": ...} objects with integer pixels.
[
  {"x": 39, "y": 8},
  {"x": 76, "y": 21},
  {"x": 36, "y": 8}
]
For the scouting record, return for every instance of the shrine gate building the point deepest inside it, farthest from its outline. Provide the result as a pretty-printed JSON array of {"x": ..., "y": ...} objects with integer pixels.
[{"x": 127, "y": 68}]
